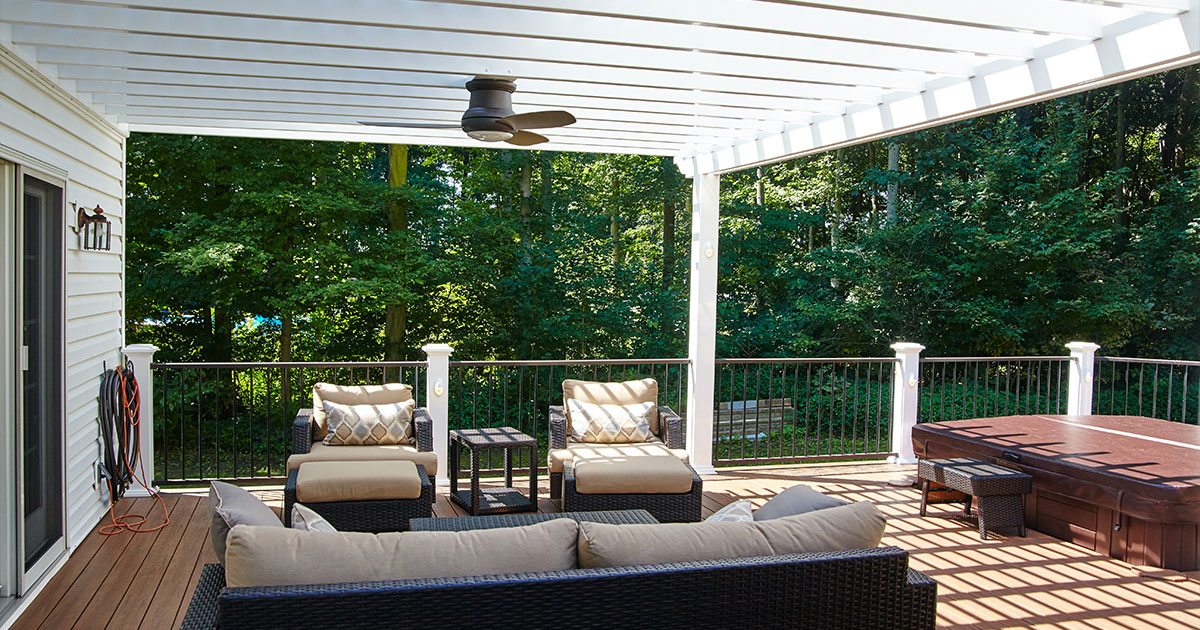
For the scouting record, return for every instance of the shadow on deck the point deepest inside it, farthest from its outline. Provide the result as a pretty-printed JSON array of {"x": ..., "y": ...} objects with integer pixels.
[{"x": 145, "y": 581}]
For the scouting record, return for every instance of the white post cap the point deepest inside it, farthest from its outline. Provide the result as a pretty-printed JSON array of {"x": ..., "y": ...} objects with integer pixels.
[
  {"x": 1083, "y": 346},
  {"x": 140, "y": 348},
  {"x": 437, "y": 348},
  {"x": 905, "y": 346}
]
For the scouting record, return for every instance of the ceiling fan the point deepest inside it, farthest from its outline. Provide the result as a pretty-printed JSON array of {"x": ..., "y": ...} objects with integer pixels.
[{"x": 490, "y": 117}]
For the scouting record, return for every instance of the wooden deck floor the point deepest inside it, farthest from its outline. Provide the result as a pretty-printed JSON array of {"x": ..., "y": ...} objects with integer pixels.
[{"x": 145, "y": 581}]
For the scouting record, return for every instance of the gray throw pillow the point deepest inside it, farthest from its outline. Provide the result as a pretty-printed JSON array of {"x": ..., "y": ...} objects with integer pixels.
[
  {"x": 796, "y": 500},
  {"x": 230, "y": 505}
]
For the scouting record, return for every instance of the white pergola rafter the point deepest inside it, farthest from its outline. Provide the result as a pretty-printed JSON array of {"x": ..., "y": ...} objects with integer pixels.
[{"x": 720, "y": 85}]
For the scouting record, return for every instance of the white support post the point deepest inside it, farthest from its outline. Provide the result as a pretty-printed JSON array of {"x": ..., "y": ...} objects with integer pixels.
[
  {"x": 141, "y": 355},
  {"x": 1079, "y": 378},
  {"x": 702, "y": 322},
  {"x": 905, "y": 394},
  {"x": 437, "y": 400}
]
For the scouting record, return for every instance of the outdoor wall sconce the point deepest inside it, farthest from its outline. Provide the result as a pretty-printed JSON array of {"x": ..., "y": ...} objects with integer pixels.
[
  {"x": 708, "y": 250},
  {"x": 94, "y": 229},
  {"x": 437, "y": 388}
]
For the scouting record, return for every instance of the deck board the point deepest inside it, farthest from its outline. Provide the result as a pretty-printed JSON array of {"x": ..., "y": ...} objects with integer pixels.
[{"x": 146, "y": 581}]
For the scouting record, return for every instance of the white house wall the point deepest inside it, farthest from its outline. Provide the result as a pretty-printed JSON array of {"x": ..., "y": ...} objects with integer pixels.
[{"x": 44, "y": 128}]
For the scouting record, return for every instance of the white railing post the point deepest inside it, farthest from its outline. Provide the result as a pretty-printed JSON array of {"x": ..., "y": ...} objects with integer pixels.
[
  {"x": 702, "y": 322},
  {"x": 905, "y": 395},
  {"x": 1079, "y": 378},
  {"x": 141, "y": 355},
  {"x": 437, "y": 400}
]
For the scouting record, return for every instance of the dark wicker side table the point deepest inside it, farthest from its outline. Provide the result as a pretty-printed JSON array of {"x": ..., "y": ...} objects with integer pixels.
[
  {"x": 477, "y": 501},
  {"x": 1000, "y": 489}
]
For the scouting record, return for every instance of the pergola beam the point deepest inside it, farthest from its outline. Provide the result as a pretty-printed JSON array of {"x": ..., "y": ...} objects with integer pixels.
[{"x": 1142, "y": 45}]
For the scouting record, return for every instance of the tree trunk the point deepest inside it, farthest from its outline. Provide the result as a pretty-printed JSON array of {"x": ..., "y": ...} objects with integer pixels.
[
  {"x": 222, "y": 335},
  {"x": 395, "y": 322},
  {"x": 526, "y": 191},
  {"x": 893, "y": 187},
  {"x": 614, "y": 225},
  {"x": 835, "y": 211},
  {"x": 668, "y": 243},
  {"x": 285, "y": 356},
  {"x": 758, "y": 187},
  {"x": 1122, "y": 235}
]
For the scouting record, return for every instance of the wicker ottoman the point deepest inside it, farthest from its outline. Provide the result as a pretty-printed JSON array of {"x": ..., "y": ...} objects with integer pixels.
[
  {"x": 1001, "y": 491},
  {"x": 366, "y": 496},
  {"x": 665, "y": 486}
]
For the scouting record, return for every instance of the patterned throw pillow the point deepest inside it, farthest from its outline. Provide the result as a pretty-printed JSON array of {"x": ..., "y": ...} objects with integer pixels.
[
  {"x": 738, "y": 511},
  {"x": 610, "y": 424},
  {"x": 364, "y": 425},
  {"x": 306, "y": 520}
]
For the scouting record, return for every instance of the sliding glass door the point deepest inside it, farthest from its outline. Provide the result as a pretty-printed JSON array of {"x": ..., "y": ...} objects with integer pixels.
[{"x": 40, "y": 373}]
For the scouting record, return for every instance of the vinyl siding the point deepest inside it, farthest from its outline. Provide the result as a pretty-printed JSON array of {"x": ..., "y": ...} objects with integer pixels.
[{"x": 35, "y": 121}]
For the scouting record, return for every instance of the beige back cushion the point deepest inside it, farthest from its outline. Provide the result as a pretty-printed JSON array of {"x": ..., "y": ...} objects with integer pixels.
[
  {"x": 367, "y": 425},
  {"x": 353, "y": 395},
  {"x": 265, "y": 556},
  {"x": 610, "y": 424},
  {"x": 625, "y": 393},
  {"x": 853, "y": 526}
]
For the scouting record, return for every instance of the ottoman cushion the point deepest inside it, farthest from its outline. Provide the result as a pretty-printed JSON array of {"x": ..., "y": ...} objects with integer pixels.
[
  {"x": 322, "y": 452},
  {"x": 579, "y": 451},
  {"x": 323, "y": 482},
  {"x": 651, "y": 474}
]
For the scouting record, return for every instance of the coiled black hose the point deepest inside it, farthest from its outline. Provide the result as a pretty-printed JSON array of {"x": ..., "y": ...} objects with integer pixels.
[{"x": 119, "y": 404}]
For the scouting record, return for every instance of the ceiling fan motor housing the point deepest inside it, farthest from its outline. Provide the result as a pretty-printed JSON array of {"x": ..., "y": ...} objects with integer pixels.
[{"x": 491, "y": 99}]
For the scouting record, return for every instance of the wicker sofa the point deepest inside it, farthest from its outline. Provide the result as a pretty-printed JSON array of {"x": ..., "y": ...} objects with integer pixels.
[
  {"x": 866, "y": 588},
  {"x": 308, "y": 430}
]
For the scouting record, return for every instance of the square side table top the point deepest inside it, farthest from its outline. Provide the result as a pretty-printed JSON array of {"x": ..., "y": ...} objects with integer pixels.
[{"x": 492, "y": 437}]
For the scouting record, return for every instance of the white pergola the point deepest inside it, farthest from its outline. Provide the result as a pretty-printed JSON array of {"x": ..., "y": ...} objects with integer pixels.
[{"x": 720, "y": 85}]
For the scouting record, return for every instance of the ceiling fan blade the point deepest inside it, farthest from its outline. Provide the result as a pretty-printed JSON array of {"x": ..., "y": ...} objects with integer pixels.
[
  {"x": 406, "y": 125},
  {"x": 539, "y": 120},
  {"x": 527, "y": 138}
]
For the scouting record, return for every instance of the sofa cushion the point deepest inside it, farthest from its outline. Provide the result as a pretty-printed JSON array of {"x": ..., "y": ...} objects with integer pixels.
[
  {"x": 353, "y": 395},
  {"x": 797, "y": 499},
  {"x": 736, "y": 512},
  {"x": 260, "y": 556},
  {"x": 646, "y": 474},
  {"x": 623, "y": 393},
  {"x": 364, "y": 425},
  {"x": 230, "y": 506},
  {"x": 610, "y": 424},
  {"x": 853, "y": 526},
  {"x": 306, "y": 520},
  {"x": 578, "y": 451},
  {"x": 324, "y": 453},
  {"x": 323, "y": 482}
]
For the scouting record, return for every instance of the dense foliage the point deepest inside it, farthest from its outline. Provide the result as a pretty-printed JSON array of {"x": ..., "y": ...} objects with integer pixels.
[{"x": 1013, "y": 233}]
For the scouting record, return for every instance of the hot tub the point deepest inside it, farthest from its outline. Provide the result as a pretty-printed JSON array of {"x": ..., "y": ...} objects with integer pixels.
[{"x": 1125, "y": 486}]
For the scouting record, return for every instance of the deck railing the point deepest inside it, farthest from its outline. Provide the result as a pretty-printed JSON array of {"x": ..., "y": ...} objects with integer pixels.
[
  {"x": 519, "y": 393},
  {"x": 233, "y": 421},
  {"x": 788, "y": 410},
  {"x": 1158, "y": 388},
  {"x": 956, "y": 388}
]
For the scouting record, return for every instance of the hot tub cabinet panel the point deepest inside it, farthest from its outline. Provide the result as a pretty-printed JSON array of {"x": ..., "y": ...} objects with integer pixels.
[{"x": 1125, "y": 486}]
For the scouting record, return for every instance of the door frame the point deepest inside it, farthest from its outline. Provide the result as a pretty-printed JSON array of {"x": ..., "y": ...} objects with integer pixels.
[{"x": 27, "y": 578}]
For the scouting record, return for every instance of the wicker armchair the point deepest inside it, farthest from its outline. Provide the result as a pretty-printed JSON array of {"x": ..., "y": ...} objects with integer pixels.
[
  {"x": 307, "y": 444},
  {"x": 670, "y": 434}
]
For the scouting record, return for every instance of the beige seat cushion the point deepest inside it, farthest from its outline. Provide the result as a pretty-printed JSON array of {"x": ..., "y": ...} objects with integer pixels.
[
  {"x": 643, "y": 474},
  {"x": 354, "y": 395},
  {"x": 322, "y": 482},
  {"x": 265, "y": 556},
  {"x": 403, "y": 452},
  {"x": 579, "y": 451},
  {"x": 624, "y": 393},
  {"x": 853, "y": 526}
]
